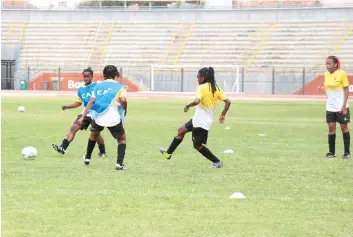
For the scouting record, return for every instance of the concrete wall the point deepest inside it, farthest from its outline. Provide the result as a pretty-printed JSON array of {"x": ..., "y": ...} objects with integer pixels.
[{"x": 178, "y": 15}]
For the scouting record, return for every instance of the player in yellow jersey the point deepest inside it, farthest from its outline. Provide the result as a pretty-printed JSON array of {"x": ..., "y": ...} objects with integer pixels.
[
  {"x": 207, "y": 96},
  {"x": 337, "y": 110}
]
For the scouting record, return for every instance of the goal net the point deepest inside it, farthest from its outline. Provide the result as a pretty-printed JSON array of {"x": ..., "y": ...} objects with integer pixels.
[{"x": 182, "y": 77}]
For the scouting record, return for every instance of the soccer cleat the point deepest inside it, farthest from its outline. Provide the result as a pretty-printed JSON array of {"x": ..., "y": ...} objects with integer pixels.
[
  {"x": 59, "y": 149},
  {"x": 85, "y": 160},
  {"x": 217, "y": 165},
  {"x": 165, "y": 153},
  {"x": 346, "y": 156},
  {"x": 102, "y": 155},
  {"x": 120, "y": 167},
  {"x": 330, "y": 155}
]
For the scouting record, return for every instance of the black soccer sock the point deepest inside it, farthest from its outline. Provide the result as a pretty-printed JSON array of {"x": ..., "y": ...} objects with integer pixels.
[
  {"x": 175, "y": 143},
  {"x": 208, "y": 154},
  {"x": 101, "y": 148},
  {"x": 121, "y": 153},
  {"x": 65, "y": 144},
  {"x": 331, "y": 143},
  {"x": 346, "y": 141},
  {"x": 90, "y": 146}
]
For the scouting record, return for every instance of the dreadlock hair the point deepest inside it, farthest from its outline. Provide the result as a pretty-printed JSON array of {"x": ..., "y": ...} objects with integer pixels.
[
  {"x": 208, "y": 74},
  {"x": 89, "y": 69},
  {"x": 335, "y": 60},
  {"x": 110, "y": 71}
]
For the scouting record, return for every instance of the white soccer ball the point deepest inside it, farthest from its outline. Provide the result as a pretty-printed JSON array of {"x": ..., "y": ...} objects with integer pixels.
[
  {"x": 29, "y": 152},
  {"x": 21, "y": 108}
]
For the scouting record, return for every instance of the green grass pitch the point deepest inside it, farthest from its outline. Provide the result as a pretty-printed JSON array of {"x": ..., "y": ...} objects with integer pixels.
[{"x": 290, "y": 189}]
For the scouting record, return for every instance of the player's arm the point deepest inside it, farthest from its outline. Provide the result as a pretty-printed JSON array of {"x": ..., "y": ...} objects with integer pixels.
[
  {"x": 196, "y": 101},
  {"x": 78, "y": 103},
  {"x": 345, "y": 84},
  {"x": 87, "y": 109},
  {"x": 122, "y": 100},
  {"x": 227, "y": 104}
]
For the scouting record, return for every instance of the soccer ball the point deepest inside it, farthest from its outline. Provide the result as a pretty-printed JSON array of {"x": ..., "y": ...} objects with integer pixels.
[
  {"x": 21, "y": 108},
  {"x": 29, "y": 152}
]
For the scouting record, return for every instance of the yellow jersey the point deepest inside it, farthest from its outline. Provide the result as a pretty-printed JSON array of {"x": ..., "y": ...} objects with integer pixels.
[
  {"x": 334, "y": 84},
  {"x": 203, "y": 116}
]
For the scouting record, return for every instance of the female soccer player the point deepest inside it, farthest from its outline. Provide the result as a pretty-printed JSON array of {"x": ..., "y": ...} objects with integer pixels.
[
  {"x": 207, "y": 96},
  {"x": 83, "y": 96},
  {"x": 108, "y": 107},
  {"x": 336, "y": 87}
]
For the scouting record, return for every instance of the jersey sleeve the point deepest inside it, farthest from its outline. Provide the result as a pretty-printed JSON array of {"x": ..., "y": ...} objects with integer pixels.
[
  {"x": 78, "y": 99},
  {"x": 221, "y": 95},
  {"x": 344, "y": 80},
  {"x": 199, "y": 93},
  {"x": 122, "y": 93}
]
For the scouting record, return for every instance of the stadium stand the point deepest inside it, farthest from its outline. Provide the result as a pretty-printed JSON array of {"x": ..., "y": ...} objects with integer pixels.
[
  {"x": 46, "y": 46},
  {"x": 72, "y": 46}
]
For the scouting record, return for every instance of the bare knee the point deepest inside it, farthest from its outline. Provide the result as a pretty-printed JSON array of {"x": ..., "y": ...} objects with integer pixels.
[
  {"x": 94, "y": 135},
  {"x": 332, "y": 128},
  {"x": 181, "y": 132},
  {"x": 344, "y": 128},
  {"x": 197, "y": 146},
  {"x": 122, "y": 139}
]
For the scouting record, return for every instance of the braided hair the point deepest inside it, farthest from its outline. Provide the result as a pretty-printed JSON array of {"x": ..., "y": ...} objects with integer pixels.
[
  {"x": 335, "y": 60},
  {"x": 110, "y": 71},
  {"x": 208, "y": 74},
  {"x": 89, "y": 69}
]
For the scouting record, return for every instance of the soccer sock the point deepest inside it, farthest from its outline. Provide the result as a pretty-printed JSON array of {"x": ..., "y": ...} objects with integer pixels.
[
  {"x": 331, "y": 143},
  {"x": 65, "y": 143},
  {"x": 208, "y": 154},
  {"x": 175, "y": 143},
  {"x": 346, "y": 141},
  {"x": 121, "y": 153},
  {"x": 101, "y": 148},
  {"x": 90, "y": 146}
]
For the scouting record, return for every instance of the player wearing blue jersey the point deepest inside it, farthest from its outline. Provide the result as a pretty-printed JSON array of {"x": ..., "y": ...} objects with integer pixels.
[
  {"x": 83, "y": 96},
  {"x": 108, "y": 106}
]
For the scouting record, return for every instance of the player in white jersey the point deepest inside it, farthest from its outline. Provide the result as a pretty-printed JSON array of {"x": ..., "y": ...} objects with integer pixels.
[
  {"x": 337, "y": 109},
  {"x": 207, "y": 96}
]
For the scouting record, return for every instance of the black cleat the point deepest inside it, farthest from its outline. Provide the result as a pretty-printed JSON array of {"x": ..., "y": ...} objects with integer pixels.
[
  {"x": 102, "y": 155},
  {"x": 86, "y": 160},
  {"x": 120, "y": 167},
  {"x": 346, "y": 156},
  {"x": 217, "y": 165},
  {"x": 330, "y": 155},
  {"x": 59, "y": 149}
]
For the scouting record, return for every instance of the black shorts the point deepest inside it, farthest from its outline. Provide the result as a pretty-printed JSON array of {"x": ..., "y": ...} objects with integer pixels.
[
  {"x": 85, "y": 123},
  {"x": 333, "y": 117},
  {"x": 199, "y": 135},
  {"x": 117, "y": 131}
]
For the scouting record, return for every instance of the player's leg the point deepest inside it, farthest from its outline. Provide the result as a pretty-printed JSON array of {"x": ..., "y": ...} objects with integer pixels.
[
  {"x": 100, "y": 141},
  {"x": 344, "y": 120},
  {"x": 70, "y": 136},
  {"x": 331, "y": 119},
  {"x": 95, "y": 133},
  {"x": 199, "y": 138},
  {"x": 118, "y": 132},
  {"x": 101, "y": 146},
  {"x": 185, "y": 128}
]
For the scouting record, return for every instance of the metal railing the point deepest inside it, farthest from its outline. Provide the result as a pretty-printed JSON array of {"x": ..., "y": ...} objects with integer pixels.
[{"x": 251, "y": 80}]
